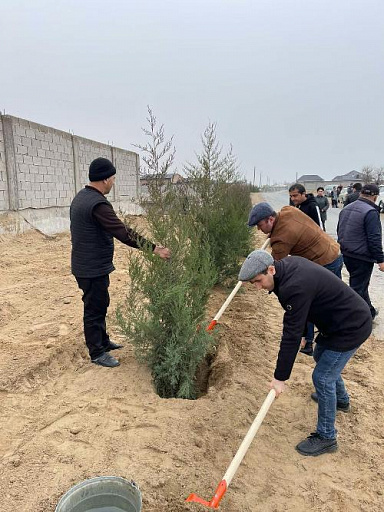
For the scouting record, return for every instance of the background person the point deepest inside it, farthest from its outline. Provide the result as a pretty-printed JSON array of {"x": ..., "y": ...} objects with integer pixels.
[
  {"x": 359, "y": 234},
  {"x": 355, "y": 194},
  {"x": 310, "y": 207},
  {"x": 94, "y": 224},
  {"x": 305, "y": 202},
  {"x": 334, "y": 197},
  {"x": 323, "y": 204},
  {"x": 344, "y": 322}
]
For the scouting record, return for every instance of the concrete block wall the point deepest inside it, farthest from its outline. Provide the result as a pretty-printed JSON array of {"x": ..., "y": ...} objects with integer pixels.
[
  {"x": 42, "y": 169},
  {"x": 45, "y": 169},
  {"x": 88, "y": 150},
  {"x": 129, "y": 183}
]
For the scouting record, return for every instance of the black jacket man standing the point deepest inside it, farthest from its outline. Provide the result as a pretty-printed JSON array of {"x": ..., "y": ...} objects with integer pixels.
[{"x": 94, "y": 224}]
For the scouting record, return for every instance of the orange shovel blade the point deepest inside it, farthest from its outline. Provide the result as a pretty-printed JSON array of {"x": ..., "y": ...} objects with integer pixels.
[
  {"x": 196, "y": 499},
  {"x": 212, "y": 325},
  {"x": 215, "y": 501}
]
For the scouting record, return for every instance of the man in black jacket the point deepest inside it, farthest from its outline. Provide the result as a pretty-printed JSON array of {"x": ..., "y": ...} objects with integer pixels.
[
  {"x": 344, "y": 323},
  {"x": 355, "y": 194},
  {"x": 308, "y": 205},
  {"x": 360, "y": 237},
  {"x": 94, "y": 224},
  {"x": 306, "y": 202}
]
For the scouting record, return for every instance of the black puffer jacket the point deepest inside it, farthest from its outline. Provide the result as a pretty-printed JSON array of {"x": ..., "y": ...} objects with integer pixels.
[
  {"x": 308, "y": 291},
  {"x": 92, "y": 246},
  {"x": 359, "y": 231}
]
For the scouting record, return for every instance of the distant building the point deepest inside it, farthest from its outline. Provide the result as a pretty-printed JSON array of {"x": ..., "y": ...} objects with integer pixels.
[
  {"x": 309, "y": 177},
  {"x": 311, "y": 182},
  {"x": 166, "y": 178},
  {"x": 163, "y": 181},
  {"x": 354, "y": 176}
]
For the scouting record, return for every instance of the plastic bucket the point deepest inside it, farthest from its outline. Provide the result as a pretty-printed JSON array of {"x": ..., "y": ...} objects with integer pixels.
[{"x": 102, "y": 494}]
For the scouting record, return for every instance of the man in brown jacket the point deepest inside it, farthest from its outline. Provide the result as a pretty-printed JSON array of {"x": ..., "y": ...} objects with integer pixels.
[{"x": 292, "y": 232}]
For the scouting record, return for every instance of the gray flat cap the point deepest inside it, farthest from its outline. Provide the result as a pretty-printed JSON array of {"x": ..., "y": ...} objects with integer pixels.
[
  {"x": 256, "y": 263},
  {"x": 259, "y": 212}
]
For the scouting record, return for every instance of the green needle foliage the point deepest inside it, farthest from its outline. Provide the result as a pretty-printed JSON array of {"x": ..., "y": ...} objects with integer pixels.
[
  {"x": 164, "y": 311},
  {"x": 221, "y": 203},
  {"x": 203, "y": 223}
]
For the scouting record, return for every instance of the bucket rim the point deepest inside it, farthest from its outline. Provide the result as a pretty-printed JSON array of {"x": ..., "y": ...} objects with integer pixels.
[{"x": 93, "y": 479}]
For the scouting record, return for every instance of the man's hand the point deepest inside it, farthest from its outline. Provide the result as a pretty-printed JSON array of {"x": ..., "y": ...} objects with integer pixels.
[
  {"x": 278, "y": 386},
  {"x": 381, "y": 267},
  {"x": 303, "y": 342},
  {"x": 163, "y": 252}
]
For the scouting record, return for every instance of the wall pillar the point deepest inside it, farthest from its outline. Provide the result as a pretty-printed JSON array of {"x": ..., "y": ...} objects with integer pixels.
[
  {"x": 138, "y": 186},
  {"x": 10, "y": 163},
  {"x": 76, "y": 170},
  {"x": 116, "y": 194}
]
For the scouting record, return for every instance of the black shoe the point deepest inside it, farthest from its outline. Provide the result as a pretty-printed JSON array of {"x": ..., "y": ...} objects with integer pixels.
[
  {"x": 112, "y": 346},
  {"x": 307, "y": 349},
  {"x": 106, "y": 360},
  {"x": 340, "y": 406},
  {"x": 316, "y": 445}
]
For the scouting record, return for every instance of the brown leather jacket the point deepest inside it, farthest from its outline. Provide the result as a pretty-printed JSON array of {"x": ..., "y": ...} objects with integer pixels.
[{"x": 297, "y": 234}]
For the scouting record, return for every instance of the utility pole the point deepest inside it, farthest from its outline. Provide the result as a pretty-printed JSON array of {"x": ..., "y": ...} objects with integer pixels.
[
  {"x": 254, "y": 173},
  {"x": 260, "y": 180}
]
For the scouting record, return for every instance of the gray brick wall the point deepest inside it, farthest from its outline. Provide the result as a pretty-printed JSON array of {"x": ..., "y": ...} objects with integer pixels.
[
  {"x": 127, "y": 181},
  {"x": 51, "y": 166},
  {"x": 4, "y": 204},
  {"x": 88, "y": 150},
  {"x": 45, "y": 168}
]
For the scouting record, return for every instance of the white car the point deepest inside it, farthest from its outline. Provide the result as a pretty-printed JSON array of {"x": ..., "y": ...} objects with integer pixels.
[
  {"x": 327, "y": 190},
  {"x": 380, "y": 199},
  {"x": 343, "y": 194}
]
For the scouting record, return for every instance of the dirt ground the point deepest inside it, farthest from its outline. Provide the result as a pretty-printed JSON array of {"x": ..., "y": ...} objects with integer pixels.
[{"x": 64, "y": 419}]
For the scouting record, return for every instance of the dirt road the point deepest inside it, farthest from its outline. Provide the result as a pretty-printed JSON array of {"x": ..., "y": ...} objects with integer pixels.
[{"x": 64, "y": 419}]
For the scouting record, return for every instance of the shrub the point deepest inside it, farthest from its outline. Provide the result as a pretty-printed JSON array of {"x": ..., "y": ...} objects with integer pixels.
[
  {"x": 165, "y": 306},
  {"x": 163, "y": 313},
  {"x": 203, "y": 223}
]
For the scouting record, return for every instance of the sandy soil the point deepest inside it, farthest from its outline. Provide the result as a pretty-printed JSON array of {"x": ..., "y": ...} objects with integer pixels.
[{"x": 64, "y": 419}]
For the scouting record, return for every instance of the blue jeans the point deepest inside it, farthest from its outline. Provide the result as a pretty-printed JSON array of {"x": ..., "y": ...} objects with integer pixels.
[
  {"x": 335, "y": 267},
  {"x": 329, "y": 387}
]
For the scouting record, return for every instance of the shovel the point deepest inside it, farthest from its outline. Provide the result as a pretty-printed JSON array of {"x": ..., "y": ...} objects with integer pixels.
[
  {"x": 217, "y": 317},
  {"x": 236, "y": 461}
]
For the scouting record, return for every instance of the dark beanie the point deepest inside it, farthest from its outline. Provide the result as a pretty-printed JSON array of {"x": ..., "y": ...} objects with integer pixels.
[{"x": 101, "y": 169}]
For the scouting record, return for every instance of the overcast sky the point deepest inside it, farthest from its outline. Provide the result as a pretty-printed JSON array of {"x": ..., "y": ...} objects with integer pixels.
[{"x": 296, "y": 86}]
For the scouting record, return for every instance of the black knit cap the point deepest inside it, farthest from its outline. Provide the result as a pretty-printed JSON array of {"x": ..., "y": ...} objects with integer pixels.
[{"x": 101, "y": 169}]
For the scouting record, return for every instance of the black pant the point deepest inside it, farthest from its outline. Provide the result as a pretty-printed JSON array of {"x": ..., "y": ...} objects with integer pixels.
[
  {"x": 359, "y": 276},
  {"x": 96, "y": 302}
]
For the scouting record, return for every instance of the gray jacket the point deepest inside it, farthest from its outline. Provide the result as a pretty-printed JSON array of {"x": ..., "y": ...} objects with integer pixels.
[{"x": 323, "y": 205}]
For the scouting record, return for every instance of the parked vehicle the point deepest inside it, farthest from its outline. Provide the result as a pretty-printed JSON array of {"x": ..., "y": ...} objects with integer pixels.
[
  {"x": 380, "y": 199},
  {"x": 328, "y": 190},
  {"x": 343, "y": 194}
]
